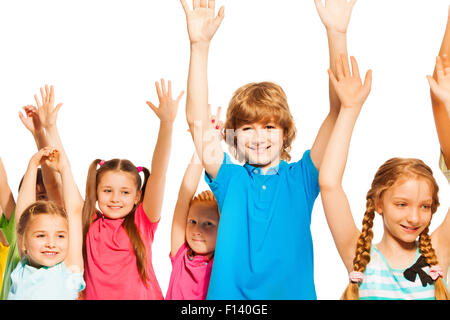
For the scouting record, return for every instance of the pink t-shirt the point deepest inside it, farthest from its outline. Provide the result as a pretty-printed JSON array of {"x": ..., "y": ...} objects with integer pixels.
[
  {"x": 190, "y": 278},
  {"x": 110, "y": 268}
]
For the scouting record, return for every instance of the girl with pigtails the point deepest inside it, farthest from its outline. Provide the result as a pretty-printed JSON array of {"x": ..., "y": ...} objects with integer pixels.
[
  {"x": 408, "y": 262},
  {"x": 118, "y": 236}
]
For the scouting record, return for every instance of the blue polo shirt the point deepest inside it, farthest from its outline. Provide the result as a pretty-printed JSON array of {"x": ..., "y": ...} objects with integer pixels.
[{"x": 264, "y": 249}]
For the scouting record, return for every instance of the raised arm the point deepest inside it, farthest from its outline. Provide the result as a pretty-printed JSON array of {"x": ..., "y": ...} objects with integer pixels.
[
  {"x": 352, "y": 93},
  {"x": 74, "y": 259},
  {"x": 48, "y": 113},
  {"x": 7, "y": 202},
  {"x": 440, "y": 111},
  {"x": 27, "y": 192},
  {"x": 166, "y": 112},
  {"x": 187, "y": 191},
  {"x": 188, "y": 188},
  {"x": 52, "y": 180},
  {"x": 202, "y": 24},
  {"x": 335, "y": 16}
]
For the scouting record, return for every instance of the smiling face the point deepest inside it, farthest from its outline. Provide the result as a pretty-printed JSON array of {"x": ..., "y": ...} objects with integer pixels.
[
  {"x": 260, "y": 144},
  {"x": 406, "y": 209},
  {"x": 201, "y": 228},
  {"x": 46, "y": 240},
  {"x": 117, "y": 193}
]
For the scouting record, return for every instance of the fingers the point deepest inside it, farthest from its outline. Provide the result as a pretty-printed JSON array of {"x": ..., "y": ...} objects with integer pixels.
[
  {"x": 368, "y": 81},
  {"x": 180, "y": 96},
  {"x": 339, "y": 68},
  {"x": 185, "y": 6},
  {"x": 212, "y": 4},
  {"x": 332, "y": 78},
  {"x": 446, "y": 63},
  {"x": 152, "y": 106},
  {"x": 203, "y": 3},
  {"x": 220, "y": 15},
  {"x": 439, "y": 68},
  {"x": 58, "y": 106},
  {"x": 433, "y": 84},
  {"x": 195, "y": 4},
  {"x": 345, "y": 65},
  {"x": 355, "y": 69},
  {"x": 158, "y": 90}
]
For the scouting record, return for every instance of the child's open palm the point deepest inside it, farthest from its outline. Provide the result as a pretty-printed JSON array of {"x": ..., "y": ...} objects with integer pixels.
[
  {"x": 167, "y": 110},
  {"x": 46, "y": 108},
  {"x": 441, "y": 87},
  {"x": 201, "y": 20},
  {"x": 335, "y": 14},
  {"x": 347, "y": 83}
]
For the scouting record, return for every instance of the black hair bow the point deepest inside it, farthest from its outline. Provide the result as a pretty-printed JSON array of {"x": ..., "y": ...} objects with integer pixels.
[{"x": 416, "y": 269}]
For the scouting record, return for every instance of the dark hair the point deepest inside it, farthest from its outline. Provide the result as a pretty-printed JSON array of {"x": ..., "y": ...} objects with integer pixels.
[
  {"x": 89, "y": 209},
  {"x": 39, "y": 179}
]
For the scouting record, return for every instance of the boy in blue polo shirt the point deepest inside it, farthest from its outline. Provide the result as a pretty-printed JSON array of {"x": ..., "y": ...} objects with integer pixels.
[{"x": 264, "y": 247}]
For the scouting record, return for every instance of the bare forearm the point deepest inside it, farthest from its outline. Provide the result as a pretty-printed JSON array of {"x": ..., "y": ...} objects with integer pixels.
[
  {"x": 337, "y": 45},
  {"x": 7, "y": 203},
  {"x": 441, "y": 116},
  {"x": 27, "y": 192},
  {"x": 336, "y": 153},
  {"x": 197, "y": 87},
  {"x": 161, "y": 154},
  {"x": 52, "y": 180}
]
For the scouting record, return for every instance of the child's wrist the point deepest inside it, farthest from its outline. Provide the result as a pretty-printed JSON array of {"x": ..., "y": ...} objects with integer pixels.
[
  {"x": 200, "y": 45},
  {"x": 336, "y": 33}
]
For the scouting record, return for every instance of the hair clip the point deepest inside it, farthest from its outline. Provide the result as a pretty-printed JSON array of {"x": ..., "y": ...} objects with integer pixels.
[
  {"x": 101, "y": 163},
  {"x": 139, "y": 169}
]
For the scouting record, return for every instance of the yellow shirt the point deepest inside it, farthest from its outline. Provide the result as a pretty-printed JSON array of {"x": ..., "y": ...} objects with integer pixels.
[{"x": 3, "y": 255}]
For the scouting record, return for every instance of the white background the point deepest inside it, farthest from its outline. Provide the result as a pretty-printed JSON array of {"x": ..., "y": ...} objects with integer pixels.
[{"x": 103, "y": 58}]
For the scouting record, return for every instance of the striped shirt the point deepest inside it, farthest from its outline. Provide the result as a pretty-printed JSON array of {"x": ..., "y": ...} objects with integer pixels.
[{"x": 381, "y": 282}]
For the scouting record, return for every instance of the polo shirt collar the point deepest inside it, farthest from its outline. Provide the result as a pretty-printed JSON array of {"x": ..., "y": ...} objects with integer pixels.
[{"x": 252, "y": 170}]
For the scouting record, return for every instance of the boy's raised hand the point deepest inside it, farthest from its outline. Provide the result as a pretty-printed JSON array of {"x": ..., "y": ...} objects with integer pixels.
[
  {"x": 441, "y": 87},
  {"x": 335, "y": 14},
  {"x": 167, "y": 110},
  {"x": 46, "y": 108},
  {"x": 202, "y": 23},
  {"x": 351, "y": 91}
]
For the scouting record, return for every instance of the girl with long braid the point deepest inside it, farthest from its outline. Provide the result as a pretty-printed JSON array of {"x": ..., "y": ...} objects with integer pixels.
[{"x": 407, "y": 263}]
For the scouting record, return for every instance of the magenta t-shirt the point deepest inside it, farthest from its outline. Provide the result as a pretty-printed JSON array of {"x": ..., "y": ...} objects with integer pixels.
[
  {"x": 110, "y": 268},
  {"x": 190, "y": 278}
]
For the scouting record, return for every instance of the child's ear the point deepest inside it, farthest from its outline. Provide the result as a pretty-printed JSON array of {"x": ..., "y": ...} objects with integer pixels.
[
  {"x": 138, "y": 197},
  {"x": 379, "y": 207}
]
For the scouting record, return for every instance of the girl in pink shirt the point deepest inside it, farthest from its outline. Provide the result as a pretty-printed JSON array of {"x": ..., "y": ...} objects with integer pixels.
[
  {"x": 194, "y": 233},
  {"x": 118, "y": 237}
]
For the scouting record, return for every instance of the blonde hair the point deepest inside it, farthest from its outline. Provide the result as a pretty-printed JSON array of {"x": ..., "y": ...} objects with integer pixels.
[
  {"x": 38, "y": 208},
  {"x": 261, "y": 102},
  {"x": 386, "y": 176}
]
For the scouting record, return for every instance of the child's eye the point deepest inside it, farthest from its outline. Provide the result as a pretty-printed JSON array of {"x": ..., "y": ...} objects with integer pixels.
[
  {"x": 426, "y": 206},
  {"x": 192, "y": 221},
  {"x": 61, "y": 236},
  {"x": 401, "y": 204},
  {"x": 246, "y": 128},
  {"x": 106, "y": 190},
  {"x": 125, "y": 192},
  {"x": 40, "y": 236},
  {"x": 269, "y": 126},
  {"x": 208, "y": 224}
]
